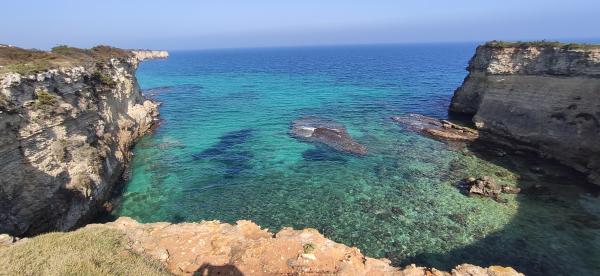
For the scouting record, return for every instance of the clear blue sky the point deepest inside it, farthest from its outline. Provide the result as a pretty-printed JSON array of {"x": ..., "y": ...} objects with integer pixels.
[{"x": 186, "y": 24}]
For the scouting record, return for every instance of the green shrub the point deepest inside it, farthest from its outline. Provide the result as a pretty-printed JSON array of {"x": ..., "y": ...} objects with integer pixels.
[
  {"x": 309, "y": 248},
  {"x": 104, "y": 79},
  {"x": 29, "y": 61},
  {"x": 73, "y": 53},
  {"x": 103, "y": 52},
  {"x": 44, "y": 99}
]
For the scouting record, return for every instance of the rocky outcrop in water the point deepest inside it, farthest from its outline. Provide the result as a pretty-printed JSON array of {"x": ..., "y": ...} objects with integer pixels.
[
  {"x": 438, "y": 129},
  {"x": 214, "y": 248},
  {"x": 543, "y": 97},
  {"x": 65, "y": 138},
  {"x": 332, "y": 134},
  {"x": 487, "y": 187}
]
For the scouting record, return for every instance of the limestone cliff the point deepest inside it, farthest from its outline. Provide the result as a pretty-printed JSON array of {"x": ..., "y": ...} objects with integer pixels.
[
  {"x": 65, "y": 135},
  {"x": 541, "y": 96},
  {"x": 150, "y": 54},
  {"x": 210, "y": 248}
]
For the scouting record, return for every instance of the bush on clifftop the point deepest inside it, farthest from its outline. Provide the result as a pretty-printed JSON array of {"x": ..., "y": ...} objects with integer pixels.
[{"x": 29, "y": 61}]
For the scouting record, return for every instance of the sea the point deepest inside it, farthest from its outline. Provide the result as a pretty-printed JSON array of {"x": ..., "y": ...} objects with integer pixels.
[{"x": 223, "y": 151}]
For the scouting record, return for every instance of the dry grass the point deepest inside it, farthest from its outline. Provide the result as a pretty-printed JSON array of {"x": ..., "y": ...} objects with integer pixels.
[
  {"x": 88, "y": 251},
  {"x": 25, "y": 61}
]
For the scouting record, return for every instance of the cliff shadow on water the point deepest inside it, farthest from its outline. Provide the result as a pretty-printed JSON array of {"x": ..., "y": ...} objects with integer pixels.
[{"x": 555, "y": 230}]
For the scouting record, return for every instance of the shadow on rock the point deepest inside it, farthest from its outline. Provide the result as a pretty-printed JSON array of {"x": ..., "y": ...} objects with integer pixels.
[{"x": 210, "y": 270}]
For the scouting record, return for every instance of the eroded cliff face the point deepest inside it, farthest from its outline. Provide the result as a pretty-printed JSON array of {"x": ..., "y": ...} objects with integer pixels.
[
  {"x": 65, "y": 136},
  {"x": 541, "y": 97}
]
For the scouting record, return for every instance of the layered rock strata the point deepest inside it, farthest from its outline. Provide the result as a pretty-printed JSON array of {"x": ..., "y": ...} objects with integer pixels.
[
  {"x": 65, "y": 138},
  {"x": 543, "y": 97}
]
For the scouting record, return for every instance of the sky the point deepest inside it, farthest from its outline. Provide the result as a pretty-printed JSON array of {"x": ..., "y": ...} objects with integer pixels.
[{"x": 187, "y": 24}]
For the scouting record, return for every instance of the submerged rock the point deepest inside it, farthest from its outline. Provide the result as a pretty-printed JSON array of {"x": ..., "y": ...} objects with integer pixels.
[
  {"x": 332, "y": 134},
  {"x": 487, "y": 187},
  {"x": 322, "y": 153},
  {"x": 439, "y": 129},
  {"x": 510, "y": 190},
  {"x": 230, "y": 152}
]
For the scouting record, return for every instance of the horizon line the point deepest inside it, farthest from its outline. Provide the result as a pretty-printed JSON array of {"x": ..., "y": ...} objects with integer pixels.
[{"x": 588, "y": 40}]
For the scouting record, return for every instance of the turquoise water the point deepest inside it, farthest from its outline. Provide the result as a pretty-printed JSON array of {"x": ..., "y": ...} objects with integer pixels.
[{"x": 223, "y": 152}]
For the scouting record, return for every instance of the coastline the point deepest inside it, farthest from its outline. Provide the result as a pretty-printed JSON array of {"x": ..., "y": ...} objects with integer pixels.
[{"x": 175, "y": 266}]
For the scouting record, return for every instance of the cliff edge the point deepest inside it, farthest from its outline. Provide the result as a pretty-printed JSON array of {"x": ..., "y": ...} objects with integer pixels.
[
  {"x": 150, "y": 54},
  {"x": 541, "y": 96},
  {"x": 67, "y": 121},
  {"x": 126, "y": 247}
]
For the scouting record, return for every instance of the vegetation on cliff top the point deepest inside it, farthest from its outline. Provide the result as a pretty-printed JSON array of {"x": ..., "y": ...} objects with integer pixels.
[
  {"x": 540, "y": 43},
  {"x": 28, "y": 61},
  {"x": 87, "y": 251},
  {"x": 44, "y": 99}
]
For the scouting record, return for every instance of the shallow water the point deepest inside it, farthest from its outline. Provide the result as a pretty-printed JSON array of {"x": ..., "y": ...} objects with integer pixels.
[{"x": 223, "y": 152}]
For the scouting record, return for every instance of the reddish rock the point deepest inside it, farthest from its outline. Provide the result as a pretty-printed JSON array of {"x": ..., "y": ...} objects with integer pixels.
[{"x": 211, "y": 248}]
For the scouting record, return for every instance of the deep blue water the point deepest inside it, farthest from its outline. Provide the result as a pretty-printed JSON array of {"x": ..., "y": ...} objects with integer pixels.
[{"x": 223, "y": 152}]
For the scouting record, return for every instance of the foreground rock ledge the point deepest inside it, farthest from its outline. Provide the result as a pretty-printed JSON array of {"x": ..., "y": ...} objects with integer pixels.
[{"x": 211, "y": 247}]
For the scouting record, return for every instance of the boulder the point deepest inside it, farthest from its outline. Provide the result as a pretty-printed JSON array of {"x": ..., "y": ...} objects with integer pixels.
[
  {"x": 487, "y": 187},
  {"x": 330, "y": 133},
  {"x": 435, "y": 128}
]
